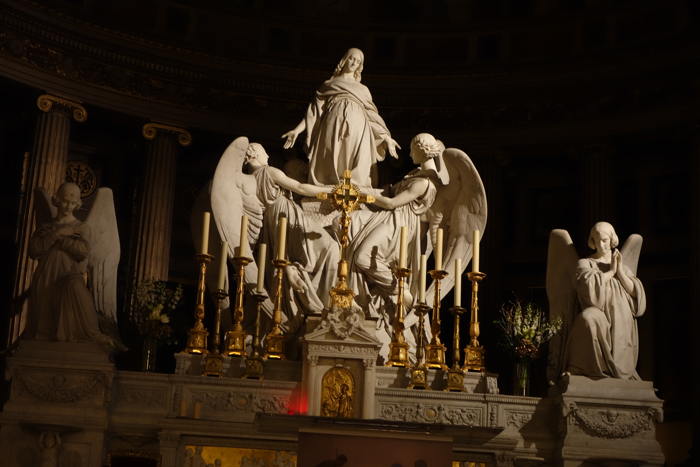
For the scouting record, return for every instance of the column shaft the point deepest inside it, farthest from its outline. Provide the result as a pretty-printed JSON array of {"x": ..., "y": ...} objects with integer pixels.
[{"x": 152, "y": 257}]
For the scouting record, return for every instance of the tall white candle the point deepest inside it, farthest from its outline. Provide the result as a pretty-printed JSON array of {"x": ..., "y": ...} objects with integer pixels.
[
  {"x": 262, "y": 257},
  {"x": 458, "y": 282},
  {"x": 243, "y": 247},
  {"x": 205, "y": 234},
  {"x": 438, "y": 250},
  {"x": 281, "y": 237},
  {"x": 403, "y": 248},
  {"x": 423, "y": 271},
  {"x": 222, "y": 266},
  {"x": 475, "y": 256}
]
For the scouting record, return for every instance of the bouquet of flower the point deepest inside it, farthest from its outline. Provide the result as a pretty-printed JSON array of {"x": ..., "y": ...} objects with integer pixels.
[
  {"x": 153, "y": 301},
  {"x": 525, "y": 328}
]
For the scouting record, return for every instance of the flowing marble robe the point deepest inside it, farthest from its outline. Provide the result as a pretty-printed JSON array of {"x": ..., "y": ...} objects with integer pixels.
[
  {"x": 310, "y": 249},
  {"x": 372, "y": 275},
  {"x": 343, "y": 127},
  {"x": 60, "y": 304},
  {"x": 603, "y": 340}
]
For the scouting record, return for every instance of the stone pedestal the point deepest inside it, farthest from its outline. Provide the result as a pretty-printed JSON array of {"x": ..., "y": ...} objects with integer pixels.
[
  {"x": 339, "y": 359},
  {"x": 57, "y": 413},
  {"x": 46, "y": 169},
  {"x": 609, "y": 420}
]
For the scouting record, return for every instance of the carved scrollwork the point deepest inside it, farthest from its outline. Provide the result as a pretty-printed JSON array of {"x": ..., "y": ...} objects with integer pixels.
[
  {"x": 61, "y": 388},
  {"x": 518, "y": 420},
  {"x": 150, "y": 130},
  {"x": 439, "y": 413},
  {"x": 46, "y": 102},
  {"x": 242, "y": 402},
  {"x": 612, "y": 424}
]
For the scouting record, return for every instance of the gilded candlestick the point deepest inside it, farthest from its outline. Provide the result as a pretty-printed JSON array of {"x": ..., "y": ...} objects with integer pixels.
[
  {"x": 274, "y": 341},
  {"x": 214, "y": 361},
  {"x": 254, "y": 361},
  {"x": 455, "y": 377},
  {"x": 435, "y": 351},
  {"x": 474, "y": 353},
  {"x": 235, "y": 338},
  {"x": 419, "y": 373},
  {"x": 398, "y": 348},
  {"x": 197, "y": 336}
]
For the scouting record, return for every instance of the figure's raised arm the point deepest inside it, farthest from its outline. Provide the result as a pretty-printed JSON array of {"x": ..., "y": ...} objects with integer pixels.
[
  {"x": 412, "y": 193},
  {"x": 290, "y": 137}
]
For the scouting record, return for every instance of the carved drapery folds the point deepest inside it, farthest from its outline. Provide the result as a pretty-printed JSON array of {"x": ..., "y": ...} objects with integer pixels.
[
  {"x": 46, "y": 169},
  {"x": 152, "y": 253}
]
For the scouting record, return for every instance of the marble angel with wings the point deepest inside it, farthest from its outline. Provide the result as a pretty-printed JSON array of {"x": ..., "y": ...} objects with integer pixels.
[
  {"x": 73, "y": 294},
  {"x": 444, "y": 191},
  {"x": 599, "y": 299}
]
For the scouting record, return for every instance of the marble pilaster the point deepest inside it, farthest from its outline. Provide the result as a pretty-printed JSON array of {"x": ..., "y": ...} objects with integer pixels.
[
  {"x": 46, "y": 169},
  {"x": 155, "y": 211}
]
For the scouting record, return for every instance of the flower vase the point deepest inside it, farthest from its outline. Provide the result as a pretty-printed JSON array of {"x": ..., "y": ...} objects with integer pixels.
[
  {"x": 521, "y": 377},
  {"x": 149, "y": 354}
]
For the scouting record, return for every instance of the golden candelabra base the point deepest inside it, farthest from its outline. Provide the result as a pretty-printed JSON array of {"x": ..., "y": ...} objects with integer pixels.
[
  {"x": 474, "y": 353},
  {"x": 419, "y": 373},
  {"x": 455, "y": 376},
  {"x": 254, "y": 362},
  {"x": 197, "y": 336},
  {"x": 435, "y": 351},
  {"x": 214, "y": 360},
  {"x": 274, "y": 341},
  {"x": 398, "y": 348},
  {"x": 235, "y": 338}
]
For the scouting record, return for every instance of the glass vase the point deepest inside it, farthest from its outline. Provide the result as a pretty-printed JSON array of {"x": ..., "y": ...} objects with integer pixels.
[
  {"x": 149, "y": 352},
  {"x": 521, "y": 377}
]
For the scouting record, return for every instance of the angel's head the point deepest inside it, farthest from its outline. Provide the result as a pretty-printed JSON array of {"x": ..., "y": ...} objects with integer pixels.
[
  {"x": 427, "y": 151},
  {"x": 67, "y": 198},
  {"x": 352, "y": 62},
  {"x": 602, "y": 238},
  {"x": 255, "y": 155}
]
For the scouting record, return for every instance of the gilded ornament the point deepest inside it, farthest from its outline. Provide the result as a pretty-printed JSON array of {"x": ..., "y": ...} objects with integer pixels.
[{"x": 338, "y": 388}]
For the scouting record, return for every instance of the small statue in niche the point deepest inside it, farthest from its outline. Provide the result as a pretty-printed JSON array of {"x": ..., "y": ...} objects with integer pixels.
[
  {"x": 599, "y": 299},
  {"x": 69, "y": 251}
]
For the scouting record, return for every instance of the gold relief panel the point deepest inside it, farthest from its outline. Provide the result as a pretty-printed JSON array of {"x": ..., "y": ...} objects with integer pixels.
[
  {"x": 238, "y": 457},
  {"x": 338, "y": 391}
]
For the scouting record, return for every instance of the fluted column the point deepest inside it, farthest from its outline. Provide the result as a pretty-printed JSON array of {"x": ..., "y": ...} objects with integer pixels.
[
  {"x": 46, "y": 169},
  {"x": 155, "y": 210}
]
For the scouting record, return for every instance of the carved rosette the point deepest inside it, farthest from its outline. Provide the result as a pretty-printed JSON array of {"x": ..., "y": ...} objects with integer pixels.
[
  {"x": 150, "y": 130},
  {"x": 612, "y": 423},
  {"x": 46, "y": 102}
]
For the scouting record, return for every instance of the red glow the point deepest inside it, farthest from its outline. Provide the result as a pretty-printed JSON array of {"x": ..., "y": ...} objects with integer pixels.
[{"x": 298, "y": 402}]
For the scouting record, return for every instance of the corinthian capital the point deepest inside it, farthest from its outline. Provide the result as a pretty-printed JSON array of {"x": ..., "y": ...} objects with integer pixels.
[
  {"x": 46, "y": 102},
  {"x": 151, "y": 129}
]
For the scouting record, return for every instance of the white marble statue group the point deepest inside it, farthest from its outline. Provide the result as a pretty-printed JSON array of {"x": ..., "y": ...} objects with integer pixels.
[{"x": 599, "y": 298}]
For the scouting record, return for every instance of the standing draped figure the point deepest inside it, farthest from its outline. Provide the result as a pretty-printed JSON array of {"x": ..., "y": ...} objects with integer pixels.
[{"x": 343, "y": 128}]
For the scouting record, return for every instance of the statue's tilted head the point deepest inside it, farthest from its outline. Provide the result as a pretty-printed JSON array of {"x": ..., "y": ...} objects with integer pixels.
[
  {"x": 425, "y": 146},
  {"x": 602, "y": 228},
  {"x": 67, "y": 198},
  {"x": 255, "y": 155},
  {"x": 359, "y": 58}
]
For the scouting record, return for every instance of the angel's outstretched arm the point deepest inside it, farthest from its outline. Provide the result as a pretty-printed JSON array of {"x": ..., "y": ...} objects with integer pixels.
[
  {"x": 303, "y": 189},
  {"x": 413, "y": 191}
]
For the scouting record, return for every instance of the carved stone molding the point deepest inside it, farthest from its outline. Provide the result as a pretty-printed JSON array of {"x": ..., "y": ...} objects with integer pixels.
[
  {"x": 142, "y": 397},
  {"x": 58, "y": 388},
  {"x": 242, "y": 401},
  {"x": 46, "y": 102},
  {"x": 150, "y": 130},
  {"x": 431, "y": 413},
  {"x": 517, "y": 419},
  {"x": 612, "y": 423}
]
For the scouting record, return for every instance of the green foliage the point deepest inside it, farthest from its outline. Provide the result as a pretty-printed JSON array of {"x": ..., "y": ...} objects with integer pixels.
[
  {"x": 525, "y": 328},
  {"x": 153, "y": 303}
]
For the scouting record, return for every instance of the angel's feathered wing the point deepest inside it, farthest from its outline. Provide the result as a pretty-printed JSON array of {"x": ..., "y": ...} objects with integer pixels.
[
  {"x": 630, "y": 252},
  {"x": 561, "y": 293},
  {"x": 105, "y": 252},
  {"x": 459, "y": 208},
  {"x": 233, "y": 194}
]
